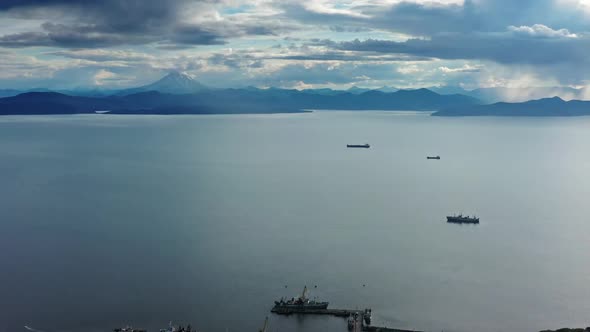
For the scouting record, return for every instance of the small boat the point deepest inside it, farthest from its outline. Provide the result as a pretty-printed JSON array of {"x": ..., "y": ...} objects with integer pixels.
[
  {"x": 180, "y": 328},
  {"x": 461, "y": 219},
  {"x": 364, "y": 146},
  {"x": 436, "y": 158},
  {"x": 351, "y": 323},
  {"x": 128, "y": 329}
]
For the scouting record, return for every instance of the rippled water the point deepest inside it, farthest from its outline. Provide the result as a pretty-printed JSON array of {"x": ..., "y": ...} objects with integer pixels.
[{"x": 114, "y": 220}]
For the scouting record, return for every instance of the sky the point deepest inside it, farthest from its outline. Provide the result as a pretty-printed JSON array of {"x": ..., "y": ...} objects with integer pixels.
[{"x": 112, "y": 44}]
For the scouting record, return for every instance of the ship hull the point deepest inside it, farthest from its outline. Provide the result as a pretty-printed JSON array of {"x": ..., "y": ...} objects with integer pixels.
[
  {"x": 456, "y": 220},
  {"x": 365, "y": 146},
  {"x": 319, "y": 305}
]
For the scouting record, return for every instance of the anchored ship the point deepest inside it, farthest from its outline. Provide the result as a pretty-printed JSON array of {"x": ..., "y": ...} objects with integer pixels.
[
  {"x": 437, "y": 157},
  {"x": 301, "y": 302},
  {"x": 365, "y": 146},
  {"x": 461, "y": 219}
]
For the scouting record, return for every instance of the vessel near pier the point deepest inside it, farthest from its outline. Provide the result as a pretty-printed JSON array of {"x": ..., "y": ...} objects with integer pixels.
[{"x": 301, "y": 302}]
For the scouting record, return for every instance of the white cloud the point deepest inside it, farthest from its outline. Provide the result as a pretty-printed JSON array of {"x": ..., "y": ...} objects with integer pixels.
[
  {"x": 104, "y": 55},
  {"x": 467, "y": 68},
  {"x": 540, "y": 30},
  {"x": 411, "y": 69},
  {"x": 104, "y": 77},
  {"x": 578, "y": 5},
  {"x": 300, "y": 85},
  {"x": 361, "y": 8},
  {"x": 19, "y": 66}
]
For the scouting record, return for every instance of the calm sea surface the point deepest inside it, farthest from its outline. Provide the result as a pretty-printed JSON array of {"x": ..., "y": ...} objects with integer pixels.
[{"x": 114, "y": 220}]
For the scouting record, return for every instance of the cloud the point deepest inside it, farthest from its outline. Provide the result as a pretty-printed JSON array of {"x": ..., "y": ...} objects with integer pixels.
[
  {"x": 411, "y": 69},
  {"x": 540, "y": 30},
  {"x": 101, "y": 55},
  {"x": 25, "y": 39},
  {"x": 196, "y": 35},
  {"x": 502, "y": 48},
  {"x": 171, "y": 23},
  {"x": 103, "y": 76},
  {"x": 467, "y": 68},
  {"x": 295, "y": 42}
]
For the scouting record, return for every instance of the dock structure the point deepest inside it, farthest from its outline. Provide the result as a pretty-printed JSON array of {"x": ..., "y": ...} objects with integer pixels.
[
  {"x": 338, "y": 313},
  {"x": 306, "y": 311},
  {"x": 384, "y": 329},
  {"x": 358, "y": 320}
]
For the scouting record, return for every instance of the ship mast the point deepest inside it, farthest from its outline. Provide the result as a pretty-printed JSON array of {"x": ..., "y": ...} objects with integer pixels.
[
  {"x": 303, "y": 295},
  {"x": 265, "y": 325}
]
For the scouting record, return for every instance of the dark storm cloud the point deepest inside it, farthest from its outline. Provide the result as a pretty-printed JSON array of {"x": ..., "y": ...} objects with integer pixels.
[
  {"x": 507, "y": 48},
  {"x": 70, "y": 36},
  {"x": 196, "y": 35},
  {"x": 425, "y": 19},
  {"x": 472, "y": 30},
  {"x": 335, "y": 56},
  {"x": 241, "y": 59},
  {"x": 8, "y": 4},
  {"x": 118, "y": 22},
  {"x": 25, "y": 39}
]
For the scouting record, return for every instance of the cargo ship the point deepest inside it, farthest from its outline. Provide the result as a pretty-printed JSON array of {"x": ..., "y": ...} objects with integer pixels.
[
  {"x": 301, "y": 302},
  {"x": 461, "y": 219},
  {"x": 364, "y": 146},
  {"x": 437, "y": 157}
]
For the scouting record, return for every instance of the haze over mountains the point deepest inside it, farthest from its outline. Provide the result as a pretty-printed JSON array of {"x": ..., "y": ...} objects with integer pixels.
[
  {"x": 175, "y": 83},
  {"x": 516, "y": 95},
  {"x": 177, "y": 93},
  {"x": 180, "y": 83},
  {"x": 542, "y": 107},
  {"x": 180, "y": 94}
]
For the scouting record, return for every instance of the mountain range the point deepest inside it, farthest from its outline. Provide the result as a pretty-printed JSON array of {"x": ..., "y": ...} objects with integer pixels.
[
  {"x": 177, "y": 93},
  {"x": 180, "y": 94},
  {"x": 516, "y": 95}
]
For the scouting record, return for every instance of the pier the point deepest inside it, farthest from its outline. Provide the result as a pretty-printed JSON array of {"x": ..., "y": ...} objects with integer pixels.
[
  {"x": 358, "y": 320},
  {"x": 330, "y": 312},
  {"x": 338, "y": 313},
  {"x": 384, "y": 329}
]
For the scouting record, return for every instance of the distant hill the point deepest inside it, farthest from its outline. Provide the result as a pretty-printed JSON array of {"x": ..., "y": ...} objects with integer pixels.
[
  {"x": 229, "y": 101},
  {"x": 518, "y": 95},
  {"x": 543, "y": 107},
  {"x": 357, "y": 91},
  {"x": 174, "y": 83},
  {"x": 326, "y": 92},
  {"x": 515, "y": 95},
  {"x": 451, "y": 90},
  {"x": 45, "y": 103},
  {"x": 177, "y": 93},
  {"x": 9, "y": 92},
  {"x": 422, "y": 99},
  {"x": 387, "y": 89}
]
